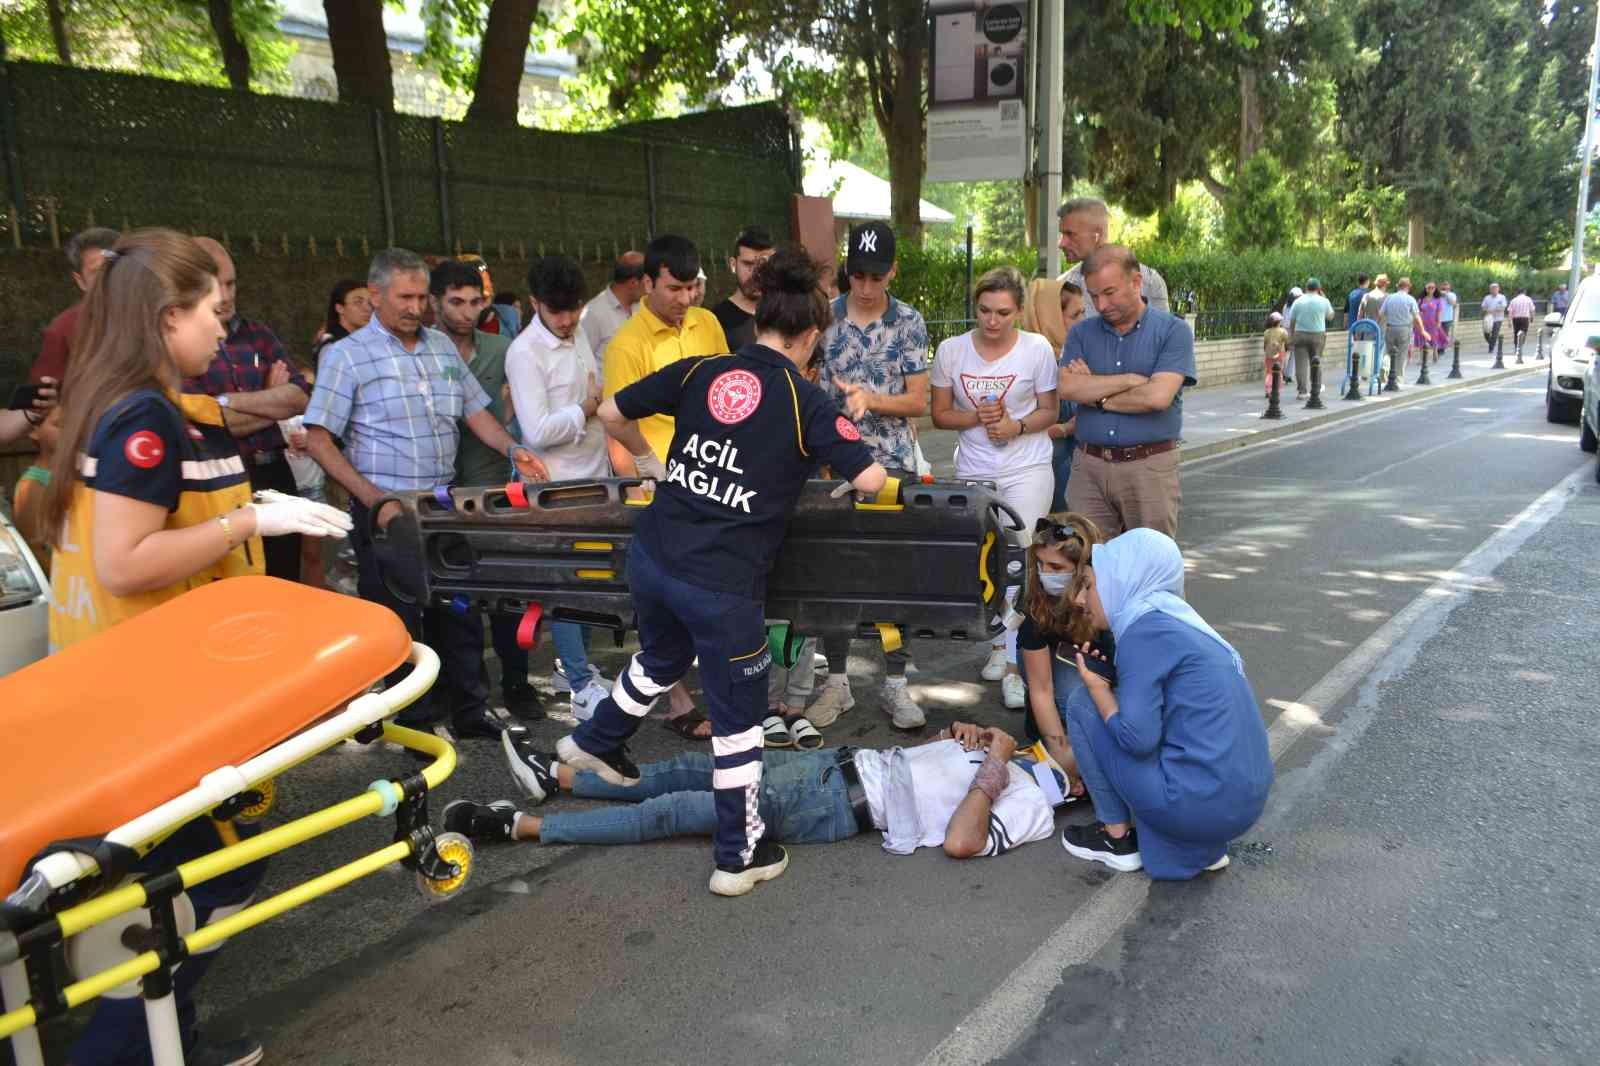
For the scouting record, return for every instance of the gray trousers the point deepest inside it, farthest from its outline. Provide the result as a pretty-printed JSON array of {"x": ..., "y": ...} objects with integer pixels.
[{"x": 1305, "y": 346}]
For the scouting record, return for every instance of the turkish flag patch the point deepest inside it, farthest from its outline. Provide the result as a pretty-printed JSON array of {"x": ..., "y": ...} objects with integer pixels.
[
  {"x": 144, "y": 450},
  {"x": 847, "y": 429}
]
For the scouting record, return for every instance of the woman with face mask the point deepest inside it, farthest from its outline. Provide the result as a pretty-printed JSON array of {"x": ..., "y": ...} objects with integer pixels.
[
  {"x": 1175, "y": 757},
  {"x": 1052, "y": 630}
]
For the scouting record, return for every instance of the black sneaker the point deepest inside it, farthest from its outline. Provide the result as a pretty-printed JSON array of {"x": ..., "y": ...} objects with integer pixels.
[
  {"x": 482, "y": 821},
  {"x": 523, "y": 701},
  {"x": 613, "y": 766},
  {"x": 1092, "y": 842},
  {"x": 534, "y": 770},
  {"x": 768, "y": 861},
  {"x": 480, "y": 723},
  {"x": 242, "y": 1051}
]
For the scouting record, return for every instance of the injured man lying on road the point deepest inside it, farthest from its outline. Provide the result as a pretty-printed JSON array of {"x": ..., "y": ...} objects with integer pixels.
[{"x": 968, "y": 791}]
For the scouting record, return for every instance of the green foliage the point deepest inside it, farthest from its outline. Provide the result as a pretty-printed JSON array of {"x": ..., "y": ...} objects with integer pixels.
[
  {"x": 933, "y": 280},
  {"x": 170, "y": 40},
  {"x": 1259, "y": 212}
]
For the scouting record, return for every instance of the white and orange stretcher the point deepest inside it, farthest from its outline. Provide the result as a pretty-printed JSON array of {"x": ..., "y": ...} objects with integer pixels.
[{"x": 190, "y": 710}]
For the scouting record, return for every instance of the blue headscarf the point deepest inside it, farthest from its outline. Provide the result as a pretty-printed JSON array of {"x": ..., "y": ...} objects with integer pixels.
[{"x": 1142, "y": 571}]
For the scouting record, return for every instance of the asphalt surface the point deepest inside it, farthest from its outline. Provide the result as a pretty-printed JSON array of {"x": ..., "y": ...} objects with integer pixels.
[{"x": 1414, "y": 895}]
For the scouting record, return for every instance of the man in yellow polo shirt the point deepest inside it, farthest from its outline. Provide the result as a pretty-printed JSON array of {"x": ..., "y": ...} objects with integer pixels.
[{"x": 667, "y": 327}]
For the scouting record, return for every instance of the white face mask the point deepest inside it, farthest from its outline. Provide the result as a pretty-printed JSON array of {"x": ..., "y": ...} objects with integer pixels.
[{"x": 1053, "y": 584}]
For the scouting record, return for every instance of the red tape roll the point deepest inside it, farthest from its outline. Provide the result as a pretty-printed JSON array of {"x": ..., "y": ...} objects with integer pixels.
[
  {"x": 517, "y": 493},
  {"x": 528, "y": 628}
]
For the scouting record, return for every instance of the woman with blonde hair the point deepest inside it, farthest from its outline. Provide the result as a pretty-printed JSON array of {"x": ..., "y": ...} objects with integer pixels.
[{"x": 996, "y": 384}]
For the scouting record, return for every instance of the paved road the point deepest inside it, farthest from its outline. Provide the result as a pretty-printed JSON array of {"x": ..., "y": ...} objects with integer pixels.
[{"x": 1409, "y": 897}]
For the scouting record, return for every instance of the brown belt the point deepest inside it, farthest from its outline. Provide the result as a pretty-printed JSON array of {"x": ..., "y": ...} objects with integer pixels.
[{"x": 1132, "y": 454}]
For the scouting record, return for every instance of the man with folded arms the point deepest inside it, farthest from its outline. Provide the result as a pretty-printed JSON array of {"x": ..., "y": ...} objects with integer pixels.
[{"x": 1126, "y": 370}]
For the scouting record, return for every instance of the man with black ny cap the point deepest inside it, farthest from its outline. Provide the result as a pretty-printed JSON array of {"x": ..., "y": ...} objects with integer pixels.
[
  {"x": 875, "y": 366},
  {"x": 748, "y": 431},
  {"x": 738, "y": 312}
]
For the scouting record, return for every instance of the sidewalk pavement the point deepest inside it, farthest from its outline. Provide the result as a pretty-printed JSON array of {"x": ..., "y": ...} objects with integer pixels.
[{"x": 1229, "y": 416}]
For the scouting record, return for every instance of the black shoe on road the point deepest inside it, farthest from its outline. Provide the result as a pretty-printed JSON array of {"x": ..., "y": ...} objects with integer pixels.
[
  {"x": 242, "y": 1051},
  {"x": 613, "y": 766},
  {"x": 482, "y": 821},
  {"x": 1092, "y": 842},
  {"x": 480, "y": 723},
  {"x": 534, "y": 770},
  {"x": 523, "y": 701},
  {"x": 767, "y": 862}
]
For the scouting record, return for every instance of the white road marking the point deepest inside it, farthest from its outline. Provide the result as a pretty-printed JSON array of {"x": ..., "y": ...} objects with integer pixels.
[{"x": 1006, "y": 1013}]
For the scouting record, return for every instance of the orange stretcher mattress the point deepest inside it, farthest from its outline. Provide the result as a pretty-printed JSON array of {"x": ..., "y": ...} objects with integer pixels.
[{"x": 117, "y": 725}]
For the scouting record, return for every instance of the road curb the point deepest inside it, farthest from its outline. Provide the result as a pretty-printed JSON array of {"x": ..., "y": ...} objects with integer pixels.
[{"x": 1244, "y": 440}]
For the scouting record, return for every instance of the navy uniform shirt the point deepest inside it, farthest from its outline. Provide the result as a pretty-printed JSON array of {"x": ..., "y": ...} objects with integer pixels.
[
  {"x": 1158, "y": 343},
  {"x": 749, "y": 431}
]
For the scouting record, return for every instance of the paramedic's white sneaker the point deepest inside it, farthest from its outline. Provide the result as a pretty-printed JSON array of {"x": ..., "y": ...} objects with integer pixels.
[
  {"x": 1013, "y": 692},
  {"x": 614, "y": 766},
  {"x": 1220, "y": 864},
  {"x": 994, "y": 667},
  {"x": 586, "y": 699},
  {"x": 899, "y": 706},
  {"x": 768, "y": 861},
  {"x": 836, "y": 699}
]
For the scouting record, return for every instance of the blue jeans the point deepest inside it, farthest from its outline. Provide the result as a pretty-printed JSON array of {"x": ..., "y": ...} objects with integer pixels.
[
  {"x": 572, "y": 648},
  {"x": 1061, "y": 462},
  {"x": 803, "y": 801},
  {"x": 116, "y": 1034},
  {"x": 677, "y": 621}
]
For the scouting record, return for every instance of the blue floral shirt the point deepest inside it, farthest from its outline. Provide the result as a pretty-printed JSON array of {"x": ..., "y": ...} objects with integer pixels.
[{"x": 880, "y": 357}]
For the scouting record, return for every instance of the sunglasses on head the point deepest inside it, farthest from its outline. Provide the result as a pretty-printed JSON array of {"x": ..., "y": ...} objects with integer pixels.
[{"x": 1049, "y": 531}]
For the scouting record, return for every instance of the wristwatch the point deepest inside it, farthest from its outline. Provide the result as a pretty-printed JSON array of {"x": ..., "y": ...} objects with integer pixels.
[
  {"x": 222, "y": 401},
  {"x": 1100, "y": 404}
]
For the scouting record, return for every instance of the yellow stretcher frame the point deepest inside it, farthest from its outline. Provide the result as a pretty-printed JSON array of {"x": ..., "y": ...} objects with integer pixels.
[{"x": 449, "y": 860}]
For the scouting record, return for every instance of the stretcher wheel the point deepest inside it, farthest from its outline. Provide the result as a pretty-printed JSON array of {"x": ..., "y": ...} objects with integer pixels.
[
  {"x": 453, "y": 848},
  {"x": 268, "y": 791}
]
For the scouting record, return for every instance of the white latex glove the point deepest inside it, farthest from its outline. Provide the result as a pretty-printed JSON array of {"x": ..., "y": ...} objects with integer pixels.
[
  {"x": 278, "y": 513},
  {"x": 649, "y": 467}
]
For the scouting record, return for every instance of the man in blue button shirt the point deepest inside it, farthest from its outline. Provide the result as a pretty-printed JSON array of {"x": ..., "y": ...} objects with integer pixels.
[{"x": 1126, "y": 370}]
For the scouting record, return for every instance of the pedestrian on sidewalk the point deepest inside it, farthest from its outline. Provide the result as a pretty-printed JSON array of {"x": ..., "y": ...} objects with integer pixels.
[
  {"x": 1521, "y": 309},
  {"x": 1352, "y": 302},
  {"x": 875, "y": 367},
  {"x": 1372, "y": 303},
  {"x": 1126, "y": 370},
  {"x": 1494, "y": 316},
  {"x": 1430, "y": 334},
  {"x": 996, "y": 385},
  {"x": 1175, "y": 756},
  {"x": 1308, "y": 333},
  {"x": 1400, "y": 317},
  {"x": 1560, "y": 300},
  {"x": 1449, "y": 313},
  {"x": 1286, "y": 308},
  {"x": 1274, "y": 347}
]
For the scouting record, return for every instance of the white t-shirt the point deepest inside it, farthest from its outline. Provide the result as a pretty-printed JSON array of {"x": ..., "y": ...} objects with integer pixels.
[
  {"x": 941, "y": 774},
  {"x": 1494, "y": 307},
  {"x": 549, "y": 381},
  {"x": 1018, "y": 377}
]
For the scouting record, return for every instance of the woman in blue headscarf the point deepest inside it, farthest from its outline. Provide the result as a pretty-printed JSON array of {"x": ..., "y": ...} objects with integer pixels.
[{"x": 1177, "y": 748}]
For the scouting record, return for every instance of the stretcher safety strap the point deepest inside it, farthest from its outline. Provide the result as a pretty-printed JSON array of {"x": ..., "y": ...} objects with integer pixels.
[{"x": 890, "y": 635}]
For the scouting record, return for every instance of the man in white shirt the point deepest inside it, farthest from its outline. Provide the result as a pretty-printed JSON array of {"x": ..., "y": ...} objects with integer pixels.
[
  {"x": 967, "y": 791},
  {"x": 1494, "y": 316},
  {"x": 555, "y": 392},
  {"x": 1521, "y": 309},
  {"x": 1084, "y": 223},
  {"x": 614, "y": 305}
]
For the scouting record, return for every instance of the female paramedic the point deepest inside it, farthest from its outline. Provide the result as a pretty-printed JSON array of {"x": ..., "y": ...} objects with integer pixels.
[
  {"x": 149, "y": 497},
  {"x": 749, "y": 430},
  {"x": 1176, "y": 757}
]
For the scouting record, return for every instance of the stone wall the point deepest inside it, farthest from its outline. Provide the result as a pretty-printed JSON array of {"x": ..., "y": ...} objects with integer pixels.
[{"x": 1233, "y": 361}]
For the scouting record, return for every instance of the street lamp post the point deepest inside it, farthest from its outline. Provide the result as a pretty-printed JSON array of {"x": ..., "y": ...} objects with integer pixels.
[{"x": 1588, "y": 152}]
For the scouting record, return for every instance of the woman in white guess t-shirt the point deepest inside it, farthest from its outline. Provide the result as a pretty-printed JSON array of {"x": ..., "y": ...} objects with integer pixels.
[{"x": 997, "y": 385}]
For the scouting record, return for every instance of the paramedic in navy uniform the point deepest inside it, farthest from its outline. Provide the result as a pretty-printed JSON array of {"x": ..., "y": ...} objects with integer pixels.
[{"x": 749, "y": 431}]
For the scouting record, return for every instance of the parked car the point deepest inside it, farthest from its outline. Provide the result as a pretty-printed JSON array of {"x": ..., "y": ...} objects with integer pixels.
[
  {"x": 24, "y": 604},
  {"x": 1589, "y": 414},
  {"x": 1570, "y": 354}
]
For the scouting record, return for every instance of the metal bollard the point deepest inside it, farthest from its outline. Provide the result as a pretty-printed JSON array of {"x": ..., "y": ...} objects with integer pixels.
[
  {"x": 1422, "y": 378},
  {"x": 1315, "y": 402},
  {"x": 1499, "y": 351},
  {"x": 1274, "y": 410},
  {"x": 1455, "y": 361},
  {"x": 1354, "y": 392}
]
